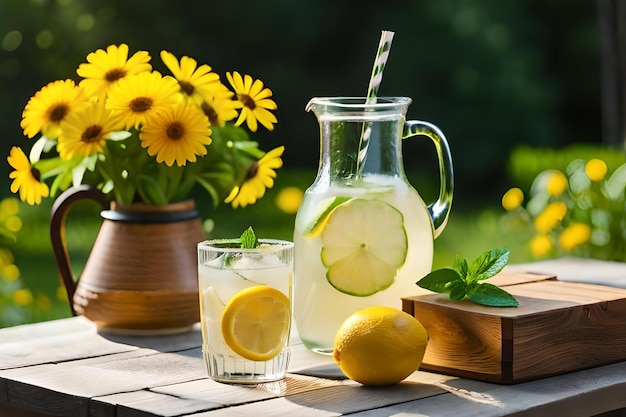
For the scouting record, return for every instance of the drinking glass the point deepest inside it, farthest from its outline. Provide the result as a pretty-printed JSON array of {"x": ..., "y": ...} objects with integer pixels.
[{"x": 255, "y": 286}]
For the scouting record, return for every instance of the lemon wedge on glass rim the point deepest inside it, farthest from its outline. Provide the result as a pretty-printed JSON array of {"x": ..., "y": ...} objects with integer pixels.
[
  {"x": 364, "y": 242},
  {"x": 256, "y": 321}
]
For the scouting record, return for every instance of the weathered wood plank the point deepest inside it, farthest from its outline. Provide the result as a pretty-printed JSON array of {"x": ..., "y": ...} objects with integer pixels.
[
  {"x": 114, "y": 376},
  {"x": 338, "y": 398},
  {"x": 577, "y": 394},
  {"x": 147, "y": 403},
  {"x": 54, "y": 341},
  {"x": 170, "y": 343},
  {"x": 201, "y": 395}
]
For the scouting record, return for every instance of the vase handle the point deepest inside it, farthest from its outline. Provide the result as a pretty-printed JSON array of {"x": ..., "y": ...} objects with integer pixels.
[{"x": 58, "y": 215}]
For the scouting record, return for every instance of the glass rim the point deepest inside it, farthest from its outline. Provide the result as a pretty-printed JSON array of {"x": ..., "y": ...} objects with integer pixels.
[
  {"x": 354, "y": 102},
  {"x": 222, "y": 245}
]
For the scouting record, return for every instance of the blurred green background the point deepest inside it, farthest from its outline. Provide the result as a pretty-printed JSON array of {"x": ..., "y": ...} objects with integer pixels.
[{"x": 493, "y": 75}]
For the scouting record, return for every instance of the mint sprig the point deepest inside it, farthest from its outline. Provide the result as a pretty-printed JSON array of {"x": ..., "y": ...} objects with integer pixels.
[
  {"x": 463, "y": 280},
  {"x": 248, "y": 239}
]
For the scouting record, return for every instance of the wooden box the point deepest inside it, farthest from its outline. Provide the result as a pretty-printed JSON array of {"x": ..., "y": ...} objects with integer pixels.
[{"x": 559, "y": 327}]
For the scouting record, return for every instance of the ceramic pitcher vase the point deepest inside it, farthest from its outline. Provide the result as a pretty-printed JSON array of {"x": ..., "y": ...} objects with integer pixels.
[
  {"x": 363, "y": 235},
  {"x": 141, "y": 274}
]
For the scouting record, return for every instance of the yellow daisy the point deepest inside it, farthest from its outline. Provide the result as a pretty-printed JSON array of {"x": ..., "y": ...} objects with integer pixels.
[
  {"x": 177, "y": 133},
  {"x": 84, "y": 132},
  {"x": 194, "y": 81},
  {"x": 260, "y": 176},
  {"x": 106, "y": 68},
  {"x": 218, "y": 105},
  {"x": 45, "y": 111},
  {"x": 140, "y": 95},
  {"x": 26, "y": 178},
  {"x": 254, "y": 100}
]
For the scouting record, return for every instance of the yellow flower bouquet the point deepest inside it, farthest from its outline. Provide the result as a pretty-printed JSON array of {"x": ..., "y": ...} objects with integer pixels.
[{"x": 140, "y": 136}]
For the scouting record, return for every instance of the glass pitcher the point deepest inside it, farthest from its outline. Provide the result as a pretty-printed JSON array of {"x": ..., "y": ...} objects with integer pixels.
[{"x": 363, "y": 235}]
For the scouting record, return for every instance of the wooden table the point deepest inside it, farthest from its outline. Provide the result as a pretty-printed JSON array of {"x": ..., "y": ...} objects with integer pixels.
[{"x": 67, "y": 368}]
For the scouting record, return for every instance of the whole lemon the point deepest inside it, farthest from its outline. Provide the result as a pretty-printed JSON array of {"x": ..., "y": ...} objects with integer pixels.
[{"x": 380, "y": 345}]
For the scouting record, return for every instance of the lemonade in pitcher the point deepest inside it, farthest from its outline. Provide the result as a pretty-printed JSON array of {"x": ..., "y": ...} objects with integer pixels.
[{"x": 363, "y": 235}]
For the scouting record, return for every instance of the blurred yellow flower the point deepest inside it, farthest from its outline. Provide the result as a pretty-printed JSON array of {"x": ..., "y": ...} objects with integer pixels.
[
  {"x": 13, "y": 224},
  {"x": 557, "y": 183},
  {"x": 596, "y": 169},
  {"x": 573, "y": 235},
  {"x": 22, "y": 297},
  {"x": 550, "y": 217},
  {"x": 288, "y": 199},
  {"x": 540, "y": 246},
  {"x": 6, "y": 257},
  {"x": 43, "y": 302},
  {"x": 61, "y": 294},
  {"x": 512, "y": 199},
  {"x": 11, "y": 272},
  {"x": 9, "y": 206}
]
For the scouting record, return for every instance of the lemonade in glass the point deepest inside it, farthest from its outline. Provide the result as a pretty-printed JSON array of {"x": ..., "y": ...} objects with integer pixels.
[{"x": 245, "y": 307}]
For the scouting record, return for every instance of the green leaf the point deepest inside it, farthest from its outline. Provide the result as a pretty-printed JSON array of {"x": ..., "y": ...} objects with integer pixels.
[
  {"x": 458, "y": 290},
  {"x": 150, "y": 190},
  {"x": 491, "y": 295},
  {"x": 460, "y": 265},
  {"x": 248, "y": 239},
  {"x": 211, "y": 190},
  {"x": 441, "y": 280},
  {"x": 488, "y": 264},
  {"x": 616, "y": 184},
  {"x": 461, "y": 280}
]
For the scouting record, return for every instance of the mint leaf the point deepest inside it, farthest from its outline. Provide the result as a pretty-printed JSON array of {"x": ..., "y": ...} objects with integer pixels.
[
  {"x": 248, "y": 239},
  {"x": 488, "y": 264},
  {"x": 458, "y": 290},
  {"x": 460, "y": 265},
  {"x": 441, "y": 280},
  {"x": 461, "y": 281},
  {"x": 491, "y": 295}
]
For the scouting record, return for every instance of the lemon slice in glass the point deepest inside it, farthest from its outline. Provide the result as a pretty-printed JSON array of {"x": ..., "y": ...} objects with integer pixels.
[
  {"x": 255, "y": 322},
  {"x": 364, "y": 242}
]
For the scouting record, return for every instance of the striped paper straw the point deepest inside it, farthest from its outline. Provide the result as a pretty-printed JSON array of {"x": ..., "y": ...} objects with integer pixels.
[
  {"x": 382, "y": 54},
  {"x": 372, "y": 92}
]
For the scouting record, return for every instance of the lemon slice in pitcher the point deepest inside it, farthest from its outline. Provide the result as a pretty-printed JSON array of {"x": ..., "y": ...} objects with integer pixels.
[
  {"x": 255, "y": 322},
  {"x": 364, "y": 242},
  {"x": 325, "y": 209}
]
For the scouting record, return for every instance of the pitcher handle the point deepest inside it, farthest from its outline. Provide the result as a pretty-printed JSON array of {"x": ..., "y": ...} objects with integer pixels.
[
  {"x": 440, "y": 209},
  {"x": 59, "y": 211}
]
